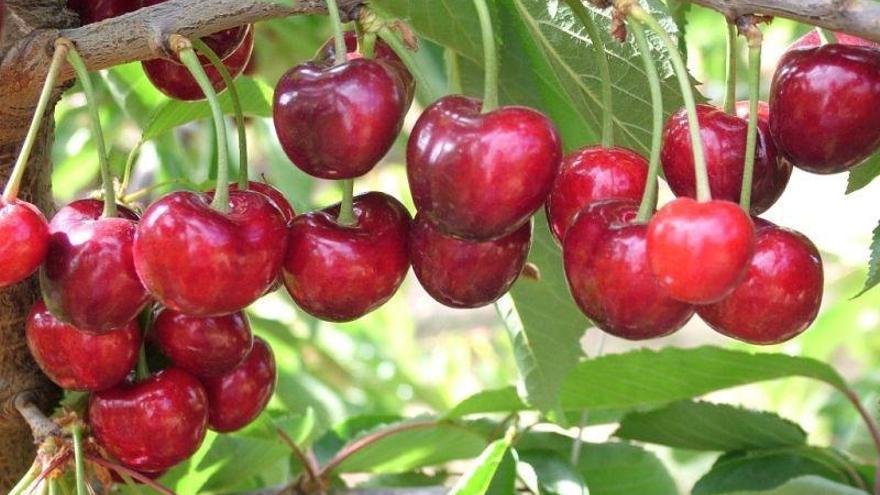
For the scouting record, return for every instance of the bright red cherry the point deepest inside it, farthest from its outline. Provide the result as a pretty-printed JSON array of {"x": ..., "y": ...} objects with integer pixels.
[
  {"x": 88, "y": 279},
  {"x": 781, "y": 294},
  {"x": 700, "y": 251},
  {"x": 812, "y": 40},
  {"x": 153, "y": 424},
  {"x": 201, "y": 262},
  {"x": 203, "y": 346},
  {"x": 481, "y": 176},
  {"x": 466, "y": 274},
  {"x": 592, "y": 174},
  {"x": 25, "y": 235},
  {"x": 340, "y": 273},
  {"x": 91, "y": 11},
  {"x": 724, "y": 144},
  {"x": 77, "y": 360},
  {"x": 822, "y": 107},
  {"x": 275, "y": 196},
  {"x": 237, "y": 397}
]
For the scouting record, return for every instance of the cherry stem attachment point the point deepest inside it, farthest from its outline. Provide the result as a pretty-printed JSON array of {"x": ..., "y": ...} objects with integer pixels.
[
  {"x": 338, "y": 32},
  {"x": 825, "y": 36},
  {"x": 346, "y": 210},
  {"x": 755, "y": 38},
  {"x": 367, "y": 44},
  {"x": 649, "y": 198},
  {"x": 76, "y": 430},
  {"x": 490, "y": 57},
  {"x": 730, "y": 73}
]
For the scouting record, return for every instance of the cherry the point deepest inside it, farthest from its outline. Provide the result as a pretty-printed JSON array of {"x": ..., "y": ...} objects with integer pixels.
[
  {"x": 201, "y": 262},
  {"x": 700, "y": 251},
  {"x": 153, "y": 424},
  {"x": 592, "y": 174},
  {"x": 25, "y": 235},
  {"x": 466, "y": 274},
  {"x": 340, "y": 273},
  {"x": 275, "y": 196},
  {"x": 481, "y": 176},
  {"x": 203, "y": 346},
  {"x": 89, "y": 278},
  {"x": 237, "y": 397},
  {"x": 781, "y": 294},
  {"x": 822, "y": 107},
  {"x": 338, "y": 121},
  {"x": 92, "y": 11},
  {"x": 606, "y": 265},
  {"x": 724, "y": 145},
  {"x": 76, "y": 360},
  {"x": 812, "y": 40}
]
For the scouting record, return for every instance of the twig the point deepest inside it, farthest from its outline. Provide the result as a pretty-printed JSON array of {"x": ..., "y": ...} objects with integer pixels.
[{"x": 41, "y": 426}]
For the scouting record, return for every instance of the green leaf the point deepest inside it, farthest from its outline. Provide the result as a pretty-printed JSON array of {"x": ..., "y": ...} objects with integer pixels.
[
  {"x": 807, "y": 485},
  {"x": 478, "y": 477},
  {"x": 503, "y": 400},
  {"x": 555, "y": 474},
  {"x": 646, "y": 377},
  {"x": 504, "y": 481},
  {"x": 621, "y": 469},
  {"x": 863, "y": 174},
  {"x": 707, "y": 426},
  {"x": 873, "y": 263}
]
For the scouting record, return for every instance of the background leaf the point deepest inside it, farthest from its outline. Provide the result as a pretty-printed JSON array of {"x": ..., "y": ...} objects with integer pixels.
[{"x": 479, "y": 476}]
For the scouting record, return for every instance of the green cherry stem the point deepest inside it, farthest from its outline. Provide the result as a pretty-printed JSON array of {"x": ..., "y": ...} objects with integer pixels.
[
  {"x": 453, "y": 71},
  {"x": 27, "y": 480},
  {"x": 367, "y": 44},
  {"x": 826, "y": 36},
  {"x": 649, "y": 199},
  {"x": 212, "y": 57},
  {"x": 338, "y": 32},
  {"x": 76, "y": 430},
  {"x": 604, "y": 69},
  {"x": 129, "y": 166},
  {"x": 755, "y": 38},
  {"x": 412, "y": 65},
  {"x": 10, "y": 193},
  {"x": 490, "y": 56},
  {"x": 730, "y": 73}
]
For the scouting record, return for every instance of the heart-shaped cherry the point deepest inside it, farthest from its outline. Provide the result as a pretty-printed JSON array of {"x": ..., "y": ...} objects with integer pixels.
[
  {"x": 89, "y": 278},
  {"x": 466, "y": 274},
  {"x": 481, "y": 176},
  {"x": 25, "y": 235},
  {"x": 92, "y": 11},
  {"x": 822, "y": 107},
  {"x": 700, "y": 251},
  {"x": 724, "y": 145},
  {"x": 203, "y": 346},
  {"x": 592, "y": 174},
  {"x": 237, "y": 397},
  {"x": 77, "y": 360},
  {"x": 339, "y": 272},
  {"x": 275, "y": 196},
  {"x": 153, "y": 424},
  {"x": 781, "y": 294}
]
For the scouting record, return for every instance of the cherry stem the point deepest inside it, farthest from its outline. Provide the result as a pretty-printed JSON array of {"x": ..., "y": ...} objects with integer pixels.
[
  {"x": 311, "y": 470},
  {"x": 130, "y": 483},
  {"x": 212, "y": 57},
  {"x": 730, "y": 74},
  {"x": 130, "y": 472},
  {"x": 27, "y": 480},
  {"x": 338, "y": 32},
  {"x": 453, "y": 71},
  {"x": 490, "y": 57},
  {"x": 412, "y": 65},
  {"x": 129, "y": 167},
  {"x": 826, "y": 36},
  {"x": 140, "y": 193},
  {"x": 649, "y": 198},
  {"x": 367, "y": 44},
  {"x": 755, "y": 38},
  {"x": 604, "y": 69},
  {"x": 53, "y": 487},
  {"x": 346, "y": 210},
  {"x": 873, "y": 430},
  {"x": 76, "y": 430},
  {"x": 10, "y": 193}
]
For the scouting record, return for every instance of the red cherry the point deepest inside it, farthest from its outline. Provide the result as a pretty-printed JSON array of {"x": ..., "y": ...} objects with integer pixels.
[
  {"x": 203, "y": 346},
  {"x": 822, "y": 107},
  {"x": 811, "y": 40},
  {"x": 466, "y": 274},
  {"x": 481, "y": 176},
  {"x": 594, "y": 174},
  {"x": 275, "y": 196},
  {"x": 340, "y": 273},
  {"x": 25, "y": 235},
  {"x": 201, "y": 262},
  {"x": 88, "y": 279},
  {"x": 700, "y": 251},
  {"x": 239, "y": 396},
  {"x": 724, "y": 144},
  {"x": 781, "y": 294},
  {"x": 76, "y": 360},
  {"x": 92, "y": 11},
  {"x": 153, "y": 424},
  {"x": 338, "y": 121}
]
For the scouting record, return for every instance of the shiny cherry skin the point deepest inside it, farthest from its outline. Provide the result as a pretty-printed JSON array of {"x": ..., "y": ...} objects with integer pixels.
[
  {"x": 606, "y": 266},
  {"x": 811, "y": 40},
  {"x": 781, "y": 294},
  {"x": 481, "y": 176},
  {"x": 25, "y": 234},
  {"x": 76, "y": 360},
  {"x": 92, "y": 11},
  {"x": 700, "y": 251},
  {"x": 88, "y": 279},
  {"x": 340, "y": 273},
  {"x": 592, "y": 174},
  {"x": 203, "y": 346},
  {"x": 275, "y": 196},
  {"x": 237, "y": 397},
  {"x": 466, "y": 274},
  {"x": 153, "y": 424},
  {"x": 822, "y": 107},
  {"x": 338, "y": 121},
  {"x": 201, "y": 262},
  {"x": 724, "y": 145}
]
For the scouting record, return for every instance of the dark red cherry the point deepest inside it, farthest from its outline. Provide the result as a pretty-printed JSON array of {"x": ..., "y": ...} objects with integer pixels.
[
  {"x": 481, "y": 176},
  {"x": 88, "y": 279},
  {"x": 76, "y": 360},
  {"x": 25, "y": 241},
  {"x": 724, "y": 144},
  {"x": 237, "y": 397},
  {"x": 203, "y": 346},
  {"x": 275, "y": 196},
  {"x": 781, "y": 294},
  {"x": 592, "y": 174},
  {"x": 466, "y": 274},
  {"x": 201, "y": 262},
  {"x": 822, "y": 107},
  {"x": 340, "y": 273},
  {"x": 812, "y": 40},
  {"x": 153, "y": 424},
  {"x": 700, "y": 251},
  {"x": 338, "y": 121},
  {"x": 91, "y": 11}
]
